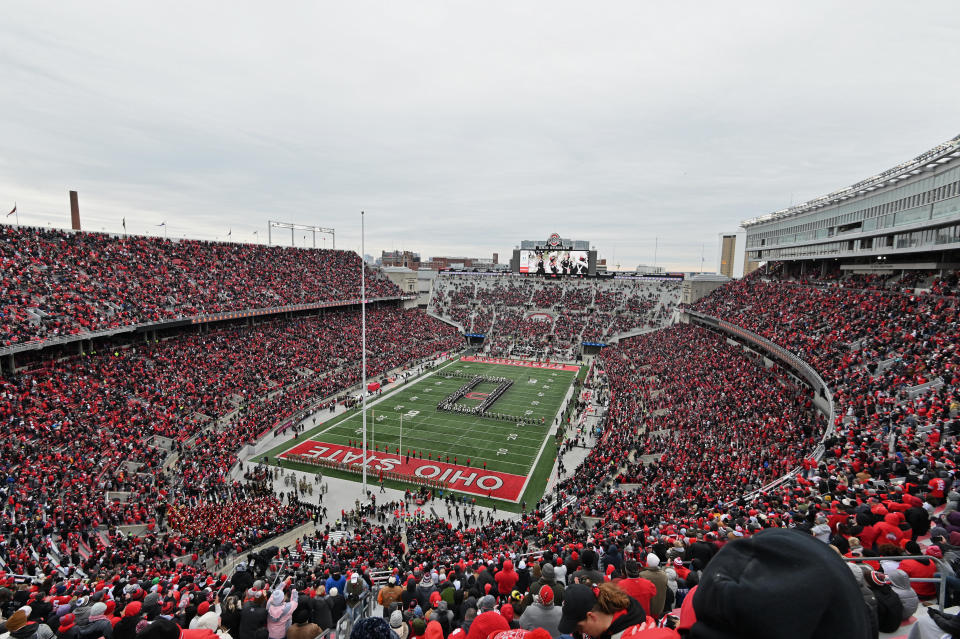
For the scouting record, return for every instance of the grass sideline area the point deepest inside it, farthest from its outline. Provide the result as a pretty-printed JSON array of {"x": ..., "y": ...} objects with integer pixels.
[{"x": 506, "y": 447}]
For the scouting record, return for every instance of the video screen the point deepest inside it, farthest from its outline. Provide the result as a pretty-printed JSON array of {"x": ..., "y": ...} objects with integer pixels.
[{"x": 554, "y": 262}]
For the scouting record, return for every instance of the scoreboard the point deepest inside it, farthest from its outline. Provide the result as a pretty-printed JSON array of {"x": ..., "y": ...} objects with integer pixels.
[{"x": 555, "y": 258}]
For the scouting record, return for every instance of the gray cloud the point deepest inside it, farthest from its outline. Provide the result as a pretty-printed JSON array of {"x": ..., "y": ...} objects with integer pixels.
[{"x": 462, "y": 128}]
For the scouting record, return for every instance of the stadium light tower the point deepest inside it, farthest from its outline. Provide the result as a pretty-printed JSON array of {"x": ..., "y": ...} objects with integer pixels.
[{"x": 271, "y": 224}]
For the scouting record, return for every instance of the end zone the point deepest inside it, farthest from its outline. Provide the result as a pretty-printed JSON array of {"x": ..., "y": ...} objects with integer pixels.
[
  {"x": 467, "y": 479},
  {"x": 519, "y": 362}
]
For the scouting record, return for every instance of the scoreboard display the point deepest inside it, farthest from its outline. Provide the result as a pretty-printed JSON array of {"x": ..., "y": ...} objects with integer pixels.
[
  {"x": 555, "y": 257},
  {"x": 554, "y": 262}
]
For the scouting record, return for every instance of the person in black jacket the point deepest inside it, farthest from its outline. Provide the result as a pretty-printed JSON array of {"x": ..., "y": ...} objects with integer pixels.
[
  {"x": 321, "y": 614},
  {"x": 410, "y": 594},
  {"x": 230, "y": 615},
  {"x": 68, "y": 627},
  {"x": 338, "y": 605},
  {"x": 889, "y": 606},
  {"x": 253, "y": 616},
  {"x": 126, "y": 628}
]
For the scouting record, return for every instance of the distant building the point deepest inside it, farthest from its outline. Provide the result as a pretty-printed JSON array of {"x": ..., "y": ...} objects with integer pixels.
[
  {"x": 406, "y": 259},
  {"x": 910, "y": 209},
  {"x": 732, "y": 254},
  {"x": 699, "y": 286},
  {"x": 403, "y": 277},
  {"x": 444, "y": 263},
  {"x": 643, "y": 269}
]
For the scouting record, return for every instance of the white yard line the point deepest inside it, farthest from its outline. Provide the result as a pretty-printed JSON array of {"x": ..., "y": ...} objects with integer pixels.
[
  {"x": 526, "y": 482},
  {"x": 393, "y": 391},
  {"x": 529, "y": 469}
]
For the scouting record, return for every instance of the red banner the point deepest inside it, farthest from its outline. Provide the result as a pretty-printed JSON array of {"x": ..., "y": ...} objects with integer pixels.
[
  {"x": 519, "y": 362},
  {"x": 459, "y": 477}
]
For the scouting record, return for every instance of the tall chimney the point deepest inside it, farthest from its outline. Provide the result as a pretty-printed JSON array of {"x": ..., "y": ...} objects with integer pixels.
[{"x": 74, "y": 211}]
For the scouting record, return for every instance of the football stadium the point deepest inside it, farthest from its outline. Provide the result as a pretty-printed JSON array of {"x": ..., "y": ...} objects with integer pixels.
[{"x": 271, "y": 439}]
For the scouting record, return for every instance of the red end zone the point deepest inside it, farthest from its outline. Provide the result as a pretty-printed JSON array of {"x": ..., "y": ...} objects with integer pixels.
[
  {"x": 467, "y": 479},
  {"x": 520, "y": 362}
]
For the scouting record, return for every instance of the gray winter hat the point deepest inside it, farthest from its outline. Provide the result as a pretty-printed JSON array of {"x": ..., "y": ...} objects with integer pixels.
[
  {"x": 548, "y": 572},
  {"x": 396, "y": 619}
]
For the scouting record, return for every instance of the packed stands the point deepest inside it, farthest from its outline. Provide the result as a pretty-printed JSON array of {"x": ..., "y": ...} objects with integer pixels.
[
  {"x": 113, "y": 422},
  {"x": 692, "y": 427},
  {"x": 58, "y": 283},
  {"x": 531, "y": 317}
]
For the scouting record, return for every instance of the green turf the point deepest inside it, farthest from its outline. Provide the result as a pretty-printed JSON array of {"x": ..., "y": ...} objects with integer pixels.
[{"x": 504, "y": 446}]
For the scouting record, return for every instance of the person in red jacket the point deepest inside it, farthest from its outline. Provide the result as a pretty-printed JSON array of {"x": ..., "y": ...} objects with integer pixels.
[
  {"x": 643, "y": 590},
  {"x": 507, "y": 578},
  {"x": 920, "y": 568}
]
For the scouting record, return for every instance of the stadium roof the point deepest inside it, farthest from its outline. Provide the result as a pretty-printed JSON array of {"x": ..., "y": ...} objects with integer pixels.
[{"x": 928, "y": 161}]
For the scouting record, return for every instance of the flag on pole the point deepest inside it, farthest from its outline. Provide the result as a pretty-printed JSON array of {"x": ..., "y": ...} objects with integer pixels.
[
  {"x": 230, "y": 233},
  {"x": 13, "y": 210},
  {"x": 164, "y": 223},
  {"x": 124, "y": 225}
]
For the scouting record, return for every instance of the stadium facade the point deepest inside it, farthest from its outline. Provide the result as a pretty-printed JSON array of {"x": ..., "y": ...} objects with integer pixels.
[{"x": 913, "y": 208}]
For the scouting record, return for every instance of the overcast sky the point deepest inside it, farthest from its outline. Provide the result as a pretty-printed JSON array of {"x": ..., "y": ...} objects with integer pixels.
[{"x": 462, "y": 128}]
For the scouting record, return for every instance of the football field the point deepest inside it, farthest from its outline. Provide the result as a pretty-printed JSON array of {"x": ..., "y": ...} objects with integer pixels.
[{"x": 486, "y": 437}]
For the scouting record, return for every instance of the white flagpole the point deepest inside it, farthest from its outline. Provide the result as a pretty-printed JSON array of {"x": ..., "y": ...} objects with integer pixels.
[{"x": 363, "y": 348}]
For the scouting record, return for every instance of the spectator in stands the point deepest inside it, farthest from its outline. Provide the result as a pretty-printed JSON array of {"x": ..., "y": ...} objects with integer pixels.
[
  {"x": 547, "y": 578},
  {"x": 916, "y": 568},
  {"x": 20, "y": 627},
  {"x": 639, "y": 588},
  {"x": 542, "y": 613},
  {"x": 253, "y": 616},
  {"x": 600, "y": 612},
  {"x": 397, "y": 624},
  {"x": 757, "y": 586},
  {"x": 302, "y": 627},
  {"x": 388, "y": 595},
  {"x": 488, "y": 619},
  {"x": 652, "y": 573},
  {"x": 506, "y": 578}
]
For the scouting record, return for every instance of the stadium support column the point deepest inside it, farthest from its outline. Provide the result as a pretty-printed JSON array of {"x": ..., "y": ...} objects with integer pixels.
[{"x": 363, "y": 351}]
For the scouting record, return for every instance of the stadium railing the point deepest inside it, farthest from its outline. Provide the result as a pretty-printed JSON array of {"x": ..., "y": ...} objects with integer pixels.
[
  {"x": 189, "y": 320},
  {"x": 942, "y": 566}
]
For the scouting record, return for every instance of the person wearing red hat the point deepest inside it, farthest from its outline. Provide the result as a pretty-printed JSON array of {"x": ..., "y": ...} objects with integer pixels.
[
  {"x": 68, "y": 627},
  {"x": 542, "y": 613},
  {"x": 207, "y": 616},
  {"x": 126, "y": 628}
]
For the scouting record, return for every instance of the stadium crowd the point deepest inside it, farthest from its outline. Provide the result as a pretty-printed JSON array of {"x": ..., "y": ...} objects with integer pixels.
[
  {"x": 544, "y": 319},
  {"x": 695, "y": 422},
  {"x": 126, "y": 437},
  {"x": 58, "y": 282}
]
